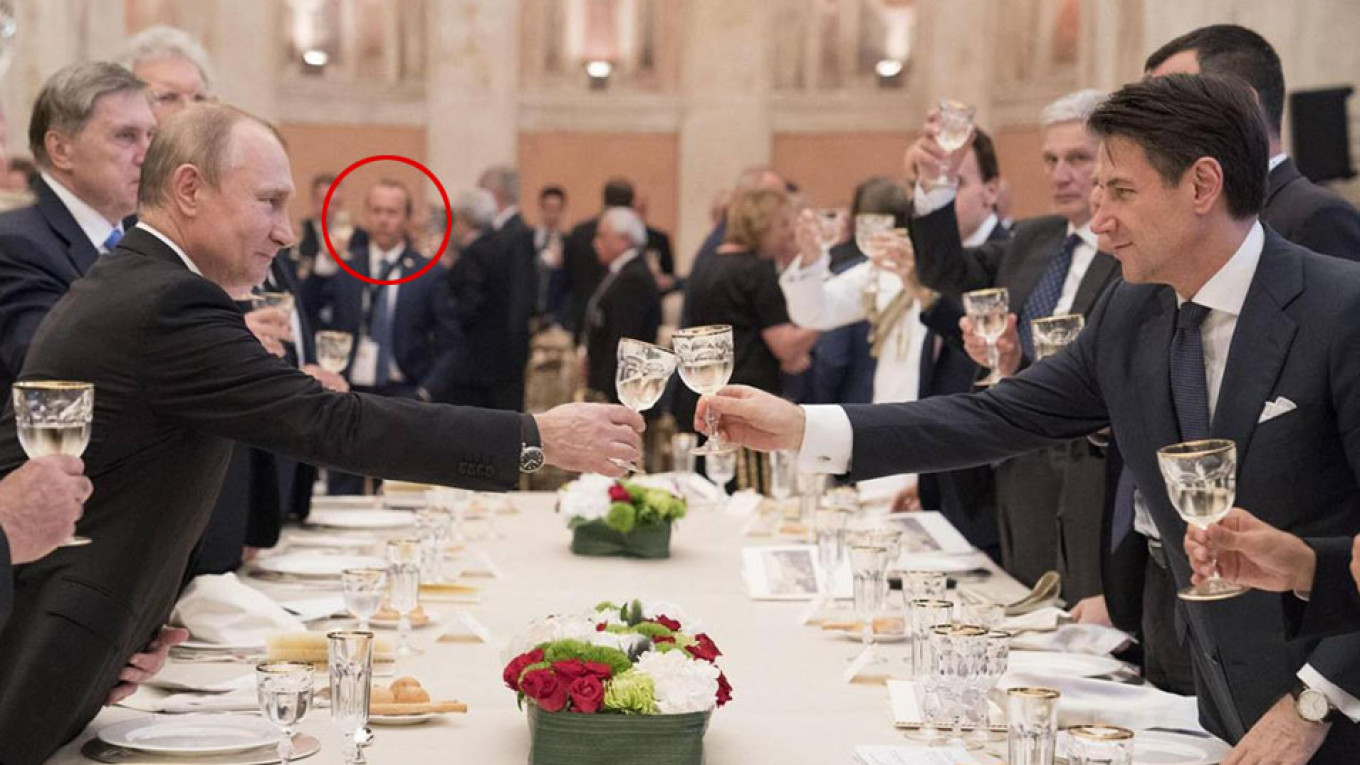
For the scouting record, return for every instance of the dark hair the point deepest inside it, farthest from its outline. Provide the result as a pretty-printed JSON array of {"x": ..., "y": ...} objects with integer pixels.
[
  {"x": 1180, "y": 118},
  {"x": 553, "y": 190},
  {"x": 618, "y": 192},
  {"x": 984, "y": 151},
  {"x": 393, "y": 183},
  {"x": 1227, "y": 49},
  {"x": 881, "y": 195}
]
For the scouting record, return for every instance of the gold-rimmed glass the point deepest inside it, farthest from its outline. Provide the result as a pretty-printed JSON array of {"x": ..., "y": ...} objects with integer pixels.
[
  {"x": 403, "y": 588},
  {"x": 332, "y": 350},
  {"x": 350, "y": 662},
  {"x": 54, "y": 417},
  {"x": 1032, "y": 715},
  {"x": 1201, "y": 480},
  {"x": 363, "y": 589},
  {"x": 1053, "y": 333},
  {"x": 284, "y": 692},
  {"x": 1099, "y": 744},
  {"x": 955, "y": 126},
  {"x": 641, "y": 377},
  {"x": 988, "y": 309},
  {"x": 868, "y": 227},
  {"x": 707, "y": 356}
]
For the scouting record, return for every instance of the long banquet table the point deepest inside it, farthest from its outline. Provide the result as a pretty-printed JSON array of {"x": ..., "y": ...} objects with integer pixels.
[{"x": 790, "y": 703}]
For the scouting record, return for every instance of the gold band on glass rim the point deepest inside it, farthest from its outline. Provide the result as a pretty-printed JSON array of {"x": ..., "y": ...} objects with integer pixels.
[
  {"x": 931, "y": 603},
  {"x": 645, "y": 344},
  {"x": 989, "y": 292},
  {"x": 702, "y": 331},
  {"x": 1033, "y": 693},
  {"x": 1201, "y": 448},
  {"x": 54, "y": 385},
  {"x": 348, "y": 634},
  {"x": 1100, "y": 733},
  {"x": 1057, "y": 318},
  {"x": 282, "y": 667},
  {"x": 959, "y": 630}
]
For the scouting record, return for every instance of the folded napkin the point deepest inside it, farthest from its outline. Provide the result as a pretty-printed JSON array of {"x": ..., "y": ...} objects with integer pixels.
[
  {"x": 1045, "y": 619},
  {"x": 1071, "y": 638},
  {"x": 148, "y": 699},
  {"x": 1086, "y": 700},
  {"x": 218, "y": 608}
]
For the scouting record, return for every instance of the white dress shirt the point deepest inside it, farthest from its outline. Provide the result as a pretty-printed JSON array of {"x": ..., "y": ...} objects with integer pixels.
[
  {"x": 377, "y": 261},
  {"x": 95, "y": 226},
  {"x": 503, "y": 217}
]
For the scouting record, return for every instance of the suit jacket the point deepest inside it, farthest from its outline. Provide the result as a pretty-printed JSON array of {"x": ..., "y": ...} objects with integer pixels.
[
  {"x": 516, "y": 241},
  {"x": 1333, "y": 606},
  {"x": 583, "y": 270},
  {"x": 423, "y": 335},
  {"x": 6, "y": 581},
  {"x": 480, "y": 283},
  {"x": 42, "y": 252},
  {"x": 1298, "y": 472},
  {"x": 628, "y": 306},
  {"x": 1309, "y": 215},
  {"x": 842, "y": 367},
  {"x": 180, "y": 378},
  {"x": 659, "y": 241}
]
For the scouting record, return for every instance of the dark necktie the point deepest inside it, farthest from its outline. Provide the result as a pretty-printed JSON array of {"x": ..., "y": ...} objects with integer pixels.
[
  {"x": 1189, "y": 389},
  {"x": 380, "y": 324},
  {"x": 1046, "y": 293}
]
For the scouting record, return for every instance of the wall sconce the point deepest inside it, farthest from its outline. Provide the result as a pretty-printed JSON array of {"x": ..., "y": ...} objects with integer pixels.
[
  {"x": 889, "y": 71},
  {"x": 314, "y": 61},
  {"x": 598, "y": 71}
]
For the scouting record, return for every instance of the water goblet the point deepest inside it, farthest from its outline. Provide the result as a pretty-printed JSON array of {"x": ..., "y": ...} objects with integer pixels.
[
  {"x": 706, "y": 358},
  {"x": 955, "y": 126},
  {"x": 54, "y": 417},
  {"x": 333, "y": 349},
  {"x": 403, "y": 577},
  {"x": 1053, "y": 333},
  {"x": 363, "y": 590},
  {"x": 284, "y": 692},
  {"x": 1201, "y": 479},
  {"x": 988, "y": 309}
]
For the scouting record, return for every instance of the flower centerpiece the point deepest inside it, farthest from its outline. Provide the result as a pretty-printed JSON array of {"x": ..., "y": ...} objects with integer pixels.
[
  {"x": 623, "y": 685},
  {"x": 627, "y": 518}
]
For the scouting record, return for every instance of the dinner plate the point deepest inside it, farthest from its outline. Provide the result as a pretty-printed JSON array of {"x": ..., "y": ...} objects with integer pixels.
[
  {"x": 1167, "y": 747},
  {"x": 361, "y": 519},
  {"x": 414, "y": 719},
  {"x": 346, "y": 502},
  {"x": 312, "y": 565},
  {"x": 330, "y": 542},
  {"x": 1062, "y": 664},
  {"x": 193, "y": 734},
  {"x": 203, "y": 645}
]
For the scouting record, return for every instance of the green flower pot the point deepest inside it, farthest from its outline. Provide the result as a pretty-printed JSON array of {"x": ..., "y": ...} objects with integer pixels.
[
  {"x": 568, "y": 738},
  {"x": 595, "y": 538}
]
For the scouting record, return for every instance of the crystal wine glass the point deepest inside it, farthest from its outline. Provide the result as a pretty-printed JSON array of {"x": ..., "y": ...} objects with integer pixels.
[
  {"x": 333, "y": 349},
  {"x": 955, "y": 126},
  {"x": 643, "y": 371},
  {"x": 988, "y": 309},
  {"x": 869, "y": 568},
  {"x": 54, "y": 417},
  {"x": 284, "y": 691},
  {"x": 350, "y": 661},
  {"x": 1201, "y": 478},
  {"x": 434, "y": 526},
  {"x": 1053, "y": 333},
  {"x": 867, "y": 226},
  {"x": 721, "y": 468},
  {"x": 403, "y": 577},
  {"x": 363, "y": 590},
  {"x": 706, "y": 358}
]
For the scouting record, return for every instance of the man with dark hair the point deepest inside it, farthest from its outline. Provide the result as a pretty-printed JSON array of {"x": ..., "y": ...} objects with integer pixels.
[
  {"x": 1298, "y": 209},
  {"x": 549, "y": 243},
  {"x": 1216, "y": 316},
  {"x": 580, "y": 264}
]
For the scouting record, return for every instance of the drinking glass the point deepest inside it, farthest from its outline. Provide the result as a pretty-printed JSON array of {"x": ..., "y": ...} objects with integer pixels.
[
  {"x": 924, "y": 614},
  {"x": 433, "y": 528},
  {"x": 958, "y": 657},
  {"x": 403, "y": 577},
  {"x": 350, "y": 661},
  {"x": 830, "y": 227},
  {"x": 829, "y": 528},
  {"x": 888, "y": 538},
  {"x": 1099, "y": 745},
  {"x": 924, "y": 584},
  {"x": 280, "y": 300},
  {"x": 811, "y": 487},
  {"x": 994, "y": 666},
  {"x": 284, "y": 691},
  {"x": 333, "y": 349},
  {"x": 363, "y": 589},
  {"x": 955, "y": 125},
  {"x": 1201, "y": 479},
  {"x": 869, "y": 566},
  {"x": 721, "y": 468},
  {"x": 643, "y": 371},
  {"x": 867, "y": 225},
  {"x": 54, "y": 417},
  {"x": 1032, "y": 717},
  {"x": 682, "y": 452},
  {"x": 1053, "y": 333},
  {"x": 988, "y": 309},
  {"x": 987, "y": 615},
  {"x": 783, "y": 475},
  {"x": 706, "y": 358}
]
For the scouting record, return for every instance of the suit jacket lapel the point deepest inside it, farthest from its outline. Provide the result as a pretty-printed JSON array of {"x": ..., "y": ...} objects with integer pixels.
[
  {"x": 1103, "y": 268},
  {"x": 79, "y": 250},
  {"x": 1260, "y": 345},
  {"x": 1042, "y": 249}
]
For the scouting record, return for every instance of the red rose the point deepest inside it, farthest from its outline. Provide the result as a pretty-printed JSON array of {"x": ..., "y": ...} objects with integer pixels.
[
  {"x": 619, "y": 494},
  {"x": 600, "y": 669},
  {"x": 569, "y": 668},
  {"x": 546, "y": 688},
  {"x": 601, "y": 627},
  {"x": 668, "y": 623},
  {"x": 703, "y": 648},
  {"x": 724, "y": 690},
  {"x": 664, "y": 639},
  {"x": 517, "y": 665},
  {"x": 586, "y": 694}
]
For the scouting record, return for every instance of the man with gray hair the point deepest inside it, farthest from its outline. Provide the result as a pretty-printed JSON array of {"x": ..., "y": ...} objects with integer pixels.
[
  {"x": 519, "y": 261},
  {"x": 627, "y": 302},
  {"x": 89, "y": 132},
  {"x": 172, "y": 64},
  {"x": 180, "y": 378},
  {"x": 1048, "y": 502}
]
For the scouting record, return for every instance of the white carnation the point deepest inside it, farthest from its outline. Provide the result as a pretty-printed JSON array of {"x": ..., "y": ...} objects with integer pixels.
[
  {"x": 586, "y": 498},
  {"x": 682, "y": 684},
  {"x": 571, "y": 627}
]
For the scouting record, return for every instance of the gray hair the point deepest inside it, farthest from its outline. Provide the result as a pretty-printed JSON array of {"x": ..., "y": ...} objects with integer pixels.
[
  {"x": 66, "y": 101},
  {"x": 625, "y": 221},
  {"x": 503, "y": 181},
  {"x": 1073, "y": 107},
  {"x": 477, "y": 207},
  {"x": 159, "y": 43}
]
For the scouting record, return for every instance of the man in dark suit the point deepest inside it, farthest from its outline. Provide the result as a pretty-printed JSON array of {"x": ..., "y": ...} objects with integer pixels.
[
  {"x": 89, "y": 131},
  {"x": 582, "y": 267},
  {"x": 626, "y": 304},
  {"x": 1050, "y": 265},
  {"x": 516, "y": 242},
  {"x": 1217, "y": 318},
  {"x": 549, "y": 240},
  {"x": 40, "y": 503},
  {"x": 478, "y": 284},
  {"x": 180, "y": 377}
]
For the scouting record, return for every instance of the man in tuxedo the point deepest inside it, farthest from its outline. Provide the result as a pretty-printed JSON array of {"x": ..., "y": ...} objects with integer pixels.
[
  {"x": 549, "y": 240},
  {"x": 519, "y": 259},
  {"x": 627, "y": 302},
  {"x": 40, "y": 503},
  {"x": 1217, "y": 318},
  {"x": 583, "y": 269},
  {"x": 402, "y": 334},
  {"x": 1050, "y": 265},
  {"x": 180, "y": 377},
  {"x": 89, "y": 131}
]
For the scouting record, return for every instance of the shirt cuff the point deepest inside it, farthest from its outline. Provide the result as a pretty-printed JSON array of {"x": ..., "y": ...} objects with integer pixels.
[
  {"x": 1343, "y": 701},
  {"x": 928, "y": 200},
  {"x": 828, "y": 440}
]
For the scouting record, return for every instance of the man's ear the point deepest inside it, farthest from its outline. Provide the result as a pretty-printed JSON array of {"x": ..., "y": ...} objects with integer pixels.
[
  {"x": 187, "y": 185},
  {"x": 1206, "y": 183}
]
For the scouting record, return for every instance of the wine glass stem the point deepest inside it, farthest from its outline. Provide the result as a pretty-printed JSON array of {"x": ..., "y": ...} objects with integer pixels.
[
  {"x": 993, "y": 357},
  {"x": 363, "y": 624},
  {"x": 711, "y": 422},
  {"x": 286, "y": 745},
  {"x": 404, "y": 632}
]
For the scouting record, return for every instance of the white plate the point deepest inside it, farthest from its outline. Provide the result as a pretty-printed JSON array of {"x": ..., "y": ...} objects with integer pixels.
[
  {"x": 415, "y": 719},
  {"x": 1164, "y": 747},
  {"x": 361, "y": 519},
  {"x": 312, "y": 565},
  {"x": 1062, "y": 664},
  {"x": 346, "y": 502},
  {"x": 201, "y": 645},
  {"x": 192, "y": 735},
  {"x": 330, "y": 542}
]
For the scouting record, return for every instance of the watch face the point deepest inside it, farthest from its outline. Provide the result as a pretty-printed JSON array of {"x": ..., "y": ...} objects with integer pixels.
[
  {"x": 1313, "y": 706},
  {"x": 530, "y": 459}
]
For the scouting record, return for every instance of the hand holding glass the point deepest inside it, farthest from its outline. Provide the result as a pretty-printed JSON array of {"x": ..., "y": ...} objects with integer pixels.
[
  {"x": 641, "y": 377},
  {"x": 988, "y": 309},
  {"x": 333, "y": 349},
  {"x": 706, "y": 358},
  {"x": 54, "y": 417},
  {"x": 1201, "y": 479}
]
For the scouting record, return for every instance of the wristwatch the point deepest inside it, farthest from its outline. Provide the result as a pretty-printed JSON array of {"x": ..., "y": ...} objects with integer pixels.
[
  {"x": 530, "y": 446},
  {"x": 1313, "y": 705}
]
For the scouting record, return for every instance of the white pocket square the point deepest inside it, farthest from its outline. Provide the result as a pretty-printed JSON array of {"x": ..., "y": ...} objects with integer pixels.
[{"x": 1275, "y": 408}]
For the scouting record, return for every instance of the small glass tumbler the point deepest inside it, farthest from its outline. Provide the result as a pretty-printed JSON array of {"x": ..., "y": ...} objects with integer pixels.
[
  {"x": 924, "y": 584},
  {"x": 1099, "y": 745},
  {"x": 1032, "y": 716},
  {"x": 925, "y": 614}
]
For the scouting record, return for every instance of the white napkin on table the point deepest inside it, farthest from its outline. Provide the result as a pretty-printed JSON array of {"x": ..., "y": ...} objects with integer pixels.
[
  {"x": 1086, "y": 700},
  {"x": 148, "y": 699},
  {"x": 218, "y": 608},
  {"x": 1073, "y": 638}
]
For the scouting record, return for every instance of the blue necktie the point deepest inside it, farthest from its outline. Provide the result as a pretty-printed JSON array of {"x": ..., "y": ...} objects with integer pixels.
[
  {"x": 380, "y": 327},
  {"x": 1046, "y": 293},
  {"x": 1189, "y": 390},
  {"x": 112, "y": 239}
]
